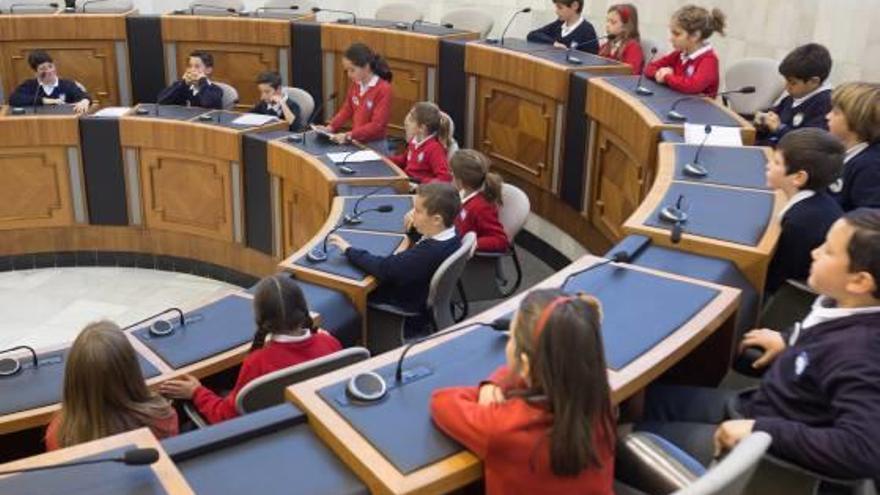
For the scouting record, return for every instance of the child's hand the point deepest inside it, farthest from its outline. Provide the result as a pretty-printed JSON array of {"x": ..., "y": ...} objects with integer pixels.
[
  {"x": 340, "y": 138},
  {"x": 730, "y": 432},
  {"x": 769, "y": 340},
  {"x": 338, "y": 241},
  {"x": 771, "y": 121},
  {"x": 82, "y": 106},
  {"x": 52, "y": 101},
  {"x": 490, "y": 394},
  {"x": 557, "y": 44},
  {"x": 183, "y": 387},
  {"x": 661, "y": 74}
]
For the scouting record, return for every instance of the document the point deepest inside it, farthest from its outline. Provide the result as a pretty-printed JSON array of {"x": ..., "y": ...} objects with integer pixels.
[
  {"x": 112, "y": 112},
  {"x": 720, "y": 135},
  {"x": 354, "y": 157},
  {"x": 254, "y": 119}
]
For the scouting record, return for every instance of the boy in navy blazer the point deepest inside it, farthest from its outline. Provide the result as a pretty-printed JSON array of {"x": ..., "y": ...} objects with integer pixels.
[
  {"x": 802, "y": 166},
  {"x": 570, "y": 28},
  {"x": 855, "y": 120},
  {"x": 807, "y": 99},
  {"x": 194, "y": 88},
  {"x": 47, "y": 88}
]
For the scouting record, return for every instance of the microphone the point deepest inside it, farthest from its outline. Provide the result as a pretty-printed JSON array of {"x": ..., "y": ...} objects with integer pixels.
[
  {"x": 341, "y": 21},
  {"x": 618, "y": 257},
  {"x": 500, "y": 41},
  {"x": 640, "y": 89},
  {"x": 275, "y": 9},
  {"x": 355, "y": 216},
  {"x": 131, "y": 457},
  {"x": 676, "y": 115},
  {"x": 316, "y": 255},
  {"x": 206, "y": 6},
  {"x": 11, "y": 366},
  {"x": 676, "y": 215},
  {"x": 694, "y": 168},
  {"x": 311, "y": 120},
  {"x": 343, "y": 167},
  {"x": 569, "y": 55},
  {"x": 13, "y": 6},
  {"x": 447, "y": 25},
  {"x": 160, "y": 328},
  {"x": 87, "y": 2}
]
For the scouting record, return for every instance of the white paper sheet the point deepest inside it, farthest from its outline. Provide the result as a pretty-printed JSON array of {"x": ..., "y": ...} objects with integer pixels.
[
  {"x": 720, "y": 135},
  {"x": 357, "y": 156},
  {"x": 112, "y": 112},
  {"x": 254, "y": 119}
]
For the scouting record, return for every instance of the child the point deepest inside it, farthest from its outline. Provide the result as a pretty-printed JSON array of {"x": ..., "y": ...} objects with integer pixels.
[
  {"x": 368, "y": 101},
  {"x": 195, "y": 87},
  {"x": 543, "y": 423},
  {"x": 273, "y": 101},
  {"x": 693, "y": 66},
  {"x": 808, "y": 98},
  {"x": 405, "y": 277},
  {"x": 624, "y": 41},
  {"x": 425, "y": 157},
  {"x": 820, "y": 395},
  {"x": 802, "y": 166},
  {"x": 285, "y": 336},
  {"x": 571, "y": 29},
  {"x": 855, "y": 120},
  {"x": 46, "y": 88},
  {"x": 105, "y": 393},
  {"x": 480, "y": 191}
]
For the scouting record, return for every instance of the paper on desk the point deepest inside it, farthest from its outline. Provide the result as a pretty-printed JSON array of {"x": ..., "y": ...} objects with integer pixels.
[
  {"x": 357, "y": 156},
  {"x": 720, "y": 135},
  {"x": 112, "y": 112},
  {"x": 254, "y": 119}
]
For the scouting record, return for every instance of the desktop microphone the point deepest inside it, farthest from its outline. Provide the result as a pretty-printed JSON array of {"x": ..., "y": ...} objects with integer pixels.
[
  {"x": 447, "y": 25},
  {"x": 131, "y": 457},
  {"x": 342, "y": 167},
  {"x": 316, "y": 255},
  {"x": 160, "y": 328},
  {"x": 640, "y": 89},
  {"x": 355, "y": 216},
  {"x": 341, "y": 21},
  {"x": 676, "y": 215},
  {"x": 88, "y": 2},
  {"x": 569, "y": 55},
  {"x": 206, "y": 6},
  {"x": 13, "y": 6},
  {"x": 500, "y": 41},
  {"x": 694, "y": 168},
  {"x": 618, "y": 257},
  {"x": 311, "y": 119},
  {"x": 674, "y": 114},
  {"x": 275, "y": 9},
  {"x": 11, "y": 366}
]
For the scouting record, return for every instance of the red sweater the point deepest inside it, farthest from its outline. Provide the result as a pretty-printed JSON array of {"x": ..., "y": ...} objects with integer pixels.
[
  {"x": 369, "y": 113},
  {"x": 480, "y": 216},
  {"x": 511, "y": 440},
  {"x": 426, "y": 161},
  {"x": 161, "y": 427},
  {"x": 630, "y": 53},
  {"x": 693, "y": 75},
  {"x": 273, "y": 357}
]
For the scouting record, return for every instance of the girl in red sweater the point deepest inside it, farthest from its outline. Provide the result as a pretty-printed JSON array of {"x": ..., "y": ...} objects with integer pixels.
[
  {"x": 285, "y": 336},
  {"x": 624, "y": 42},
  {"x": 543, "y": 424},
  {"x": 428, "y": 138},
  {"x": 480, "y": 198},
  {"x": 693, "y": 66},
  {"x": 368, "y": 101}
]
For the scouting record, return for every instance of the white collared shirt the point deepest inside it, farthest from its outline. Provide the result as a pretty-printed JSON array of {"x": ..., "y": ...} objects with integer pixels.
[
  {"x": 364, "y": 87},
  {"x": 418, "y": 144},
  {"x": 797, "y": 198},
  {"x": 445, "y": 235},
  {"x": 855, "y": 150},
  {"x": 798, "y": 101},
  {"x": 697, "y": 53},
  {"x": 471, "y": 195},
  {"x": 288, "y": 339},
  {"x": 825, "y": 309},
  {"x": 566, "y": 29},
  {"x": 49, "y": 88},
  {"x": 195, "y": 87},
  {"x": 276, "y": 107}
]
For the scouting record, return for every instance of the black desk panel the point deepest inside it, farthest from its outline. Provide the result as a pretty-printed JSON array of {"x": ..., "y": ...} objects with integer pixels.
[
  {"x": 391, "y": 222},
  {"x": 170, "y": 112},
  {"x": 103, "y": 170},
  {"x": 400, "y": 425},
  {"x": 733, "y": 215},
  {"x": 663, "y": 306},
  {"x": 337, "y": 263},
  {"x": 548, "y": 52},
  {"x": 730, "y": 166}
]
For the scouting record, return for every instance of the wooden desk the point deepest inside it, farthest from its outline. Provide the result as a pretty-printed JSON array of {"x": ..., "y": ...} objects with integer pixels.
[
  {"x": 169, "y": 477},
  {"x": 463, "y": 468}
]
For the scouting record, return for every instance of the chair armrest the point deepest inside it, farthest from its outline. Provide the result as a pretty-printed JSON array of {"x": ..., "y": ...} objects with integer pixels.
[
  {"x": 802, "y": 471},
  {"x": 654, "y": 465},
  {"x": 395, "y": 310},
  {"x": 193, "y": 414},
  {"x": 489, "y": 254}
]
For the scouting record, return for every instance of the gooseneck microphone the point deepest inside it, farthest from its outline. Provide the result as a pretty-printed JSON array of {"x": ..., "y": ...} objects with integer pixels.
[
  {"x": 11, "y": 366},
  {"x": 161, "y": 328},
  {"x": 207, "y": 6},
  {"x": 569, "y": 54},
  {"x": 500, "y": 40},
  {"x": 13, "y": 6},
  {"x": 319, "y": 255},
  {"x": 355, "y": 216},
  {"x": 275, "y": 9},
  {"x": 131, "y": 457},
  {"x": 447, "y": 25},
  {"x": 341, "y": 21},
  {"x": 311, "y": 119},
  {"x": 640, "y": 89},
  {"x": 694, "y": 168},
  {"x": 674, "y": 114},
  {"x": 89, "y": 2},
  {"x": 676, "y": 215}
]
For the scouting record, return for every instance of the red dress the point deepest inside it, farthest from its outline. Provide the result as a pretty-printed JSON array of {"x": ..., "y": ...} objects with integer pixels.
[
  {"x": 161, "y": 427},
  {"x": 369, "y": 113},
  {"x": 480, "y": 216},
  {"x": 630, "y": 53},
  {"x": 425, "y": 161},
  {"x": 696, "y": 73}
]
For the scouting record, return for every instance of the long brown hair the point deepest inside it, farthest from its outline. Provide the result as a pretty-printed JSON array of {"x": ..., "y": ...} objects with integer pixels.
[
  {"x": 560, "y": 335},
  {"x": 629, "y": 19},
  {"x": 436, "y": 122},
  {"x": 104, "y": 390},
  {"x": 280, "y": 307},
  {"x": 362, "y": 55},
  {"x": 471, "y": 168}
]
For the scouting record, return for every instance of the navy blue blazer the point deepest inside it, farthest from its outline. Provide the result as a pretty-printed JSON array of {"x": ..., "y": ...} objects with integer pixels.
[
  {"x": 262, "y": 108},
  {"x": 552, "y": 33},
  {"x": 179, "y": 93},
  {"x": 810, "y": 113},
  {"x": 803, "y": 229},
  {"x": 30, "y": 93},
  {"x": 859, "y": 185}
]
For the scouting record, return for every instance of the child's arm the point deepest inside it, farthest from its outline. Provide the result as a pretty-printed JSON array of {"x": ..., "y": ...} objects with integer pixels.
[
  {"x": 440, "y": 165},
  {"x": 215, "y": 408},
  {"x": 344, "y": 114},
  {"x": 632, "y": 55},
  {"x": 544, "y": 34},
  {"x": 665, "y": 61},
  {"x": 705, "y": 75},
  {"x": 865, "y": 187},
  {"x": 174, "y": 94},
  {"x": 493, "y": 238},
  {"x": 457, "y": 413},
  {"x": 375, "y": 128}
]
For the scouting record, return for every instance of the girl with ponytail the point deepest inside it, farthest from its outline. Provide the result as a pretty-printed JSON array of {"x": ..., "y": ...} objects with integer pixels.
[
  {"x": 428, "y": 138},
  {"x": 480, "y": 192},
  {"x": 285, "y": 336}
]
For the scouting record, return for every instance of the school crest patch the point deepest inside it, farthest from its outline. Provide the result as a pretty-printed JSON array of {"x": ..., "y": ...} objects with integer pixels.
[
  {"x": 801, "y": 362},
  {"x": 798, "y": 120},
  {"x": 836, "y": 186}
]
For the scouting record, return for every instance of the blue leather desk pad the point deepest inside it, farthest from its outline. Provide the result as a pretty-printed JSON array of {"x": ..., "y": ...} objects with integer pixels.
[
  {"x": 730, "y": 166},
  {"x": 108, "y": 478},
  {"x": 43, "y": 110},
  {"x": 380, "y": 222},
  {"x": 319, "y": 146},
  {"x": 628, "y": 85},
  {"x": 738, "y": 216},
  {"x": 547, "y": 52},
  {"x": 337, "y": 263},
  {"x": 400, "y": 425},
  {"x": 224, "y": 118},
  {"x": 663, "y": 306},
  {"x": 420, "y": 28},
  {"x": 171, "y": 112},
  {"x": 697, "y": 110},
  {"x": 220, "y": 326}
]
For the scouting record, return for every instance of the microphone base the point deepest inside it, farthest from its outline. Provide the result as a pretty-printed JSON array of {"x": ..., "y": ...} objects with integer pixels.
[
  {"x": 206, "y": 118},
  {"x": 643, "y": 91},
  {"x": 366, "y": 387},
  {"x": 9, "y": 367},
  {"x": 346, "y": 170},
  {"x": 18, "y": 111},
  {"x": 672, "y": 214},
  {"x": 676, "y": 115},
  {"x": 695, "y": 170},
  {"x": 573, "y": 60},
  {"x": 492, "y": 41},
  {"x": 343, "y": 21},
  {"x": 402, "y": 26},
  {"x": 353, "y": 219},
  {"x": 161, "y": 328},
  {"x": 316, "y": 256}
]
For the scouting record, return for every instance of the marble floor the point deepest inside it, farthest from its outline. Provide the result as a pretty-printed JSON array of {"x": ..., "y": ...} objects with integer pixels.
[{"x": 47, "y": 307}]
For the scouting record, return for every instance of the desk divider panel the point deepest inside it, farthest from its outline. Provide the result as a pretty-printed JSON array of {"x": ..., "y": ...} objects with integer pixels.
[
  {"x": 577, "y": 138},
  {"x": 257, "y": 198},
  {"x": 146, "y": 56},
  {"x": 727, "y": 165},
  {"x": 452, "y": 95},
  {"x": 306, "y": 61},
  {"x": 104, "y": 170}
]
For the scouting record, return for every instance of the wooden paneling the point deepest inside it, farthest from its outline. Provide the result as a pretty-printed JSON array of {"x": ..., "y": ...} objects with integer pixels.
[
  {"x": 618, "y": 185},
  {"x": 63, "y": 27},
  {"x": 35, "y": 188},
  {"x": 229, "y": 30},
  {"x": 202, "y": 140},
  {"x": 39, "y": 131}
]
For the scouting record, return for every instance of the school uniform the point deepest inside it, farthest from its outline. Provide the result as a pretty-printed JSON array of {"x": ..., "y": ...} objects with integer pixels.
[
  {"x": 203, "y": 94},
  {"x": 581, "y": 32},
  {"x": 274, "y": 109},
  {"x": 31, "y": 93},
  {"x": 424, "y": 160},
  {"x": 696, "y": 73},
  {"x": 368, "y": 106},
  {"x": 799, "y": 113},
  {"x": 859, "y": 184},
  {"x": 480, "y": 216},
  {"x": 629, "y": 53},
  {"x": 405, "y": 277},
  {"x": 164, "y": 427},
  {"x": 279, "y": 352},
  {"x": 511, "y": 440},
  {"x": 805, "y": 221}
]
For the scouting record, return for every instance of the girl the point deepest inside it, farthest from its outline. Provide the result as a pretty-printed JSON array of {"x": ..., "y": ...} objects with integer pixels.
[
  {"x": 571, "y": 28},
  {"x": 624, "y": 42},
  {"x": 368, "y": 101},
  {"x": 428, "y": 139},
  {"x": 855, "y": 120},
  {"x": 693, "y": 66},
  {"x": 104, "y": 392},
  {"x": 543, "y": 424},
  {"x": 481, "y": 196},
  {"x": 284, "y": 337}
]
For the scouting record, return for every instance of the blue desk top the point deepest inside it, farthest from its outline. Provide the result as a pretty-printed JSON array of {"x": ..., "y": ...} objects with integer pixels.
[
  {"x": 319, "y": 146},
  {"x": 171, "y": 112},
  {"x": 380, "y": 222},
  {"x": 730, "y": 166},
  {"x": 548, "y": 52},
  {"x": 43, "y": 110},
  {"x": 628, "y": 85},
  {"x": 224, "y": 118},
  {"x": 337, "y": 263}
]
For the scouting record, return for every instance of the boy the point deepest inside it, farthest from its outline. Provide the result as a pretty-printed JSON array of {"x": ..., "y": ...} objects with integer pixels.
[
  {"x": 855, "y": 120},
  {"x": 802, "y": 166},
  {"x": 807, "y": 99},
  {"x": 820, "y": 395},
  {"x": 406, "y": 276},
  {"x": 194, "y": 88},
  {"x": 273, "y": 101},
  {"x": 47, "y": 88}
]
